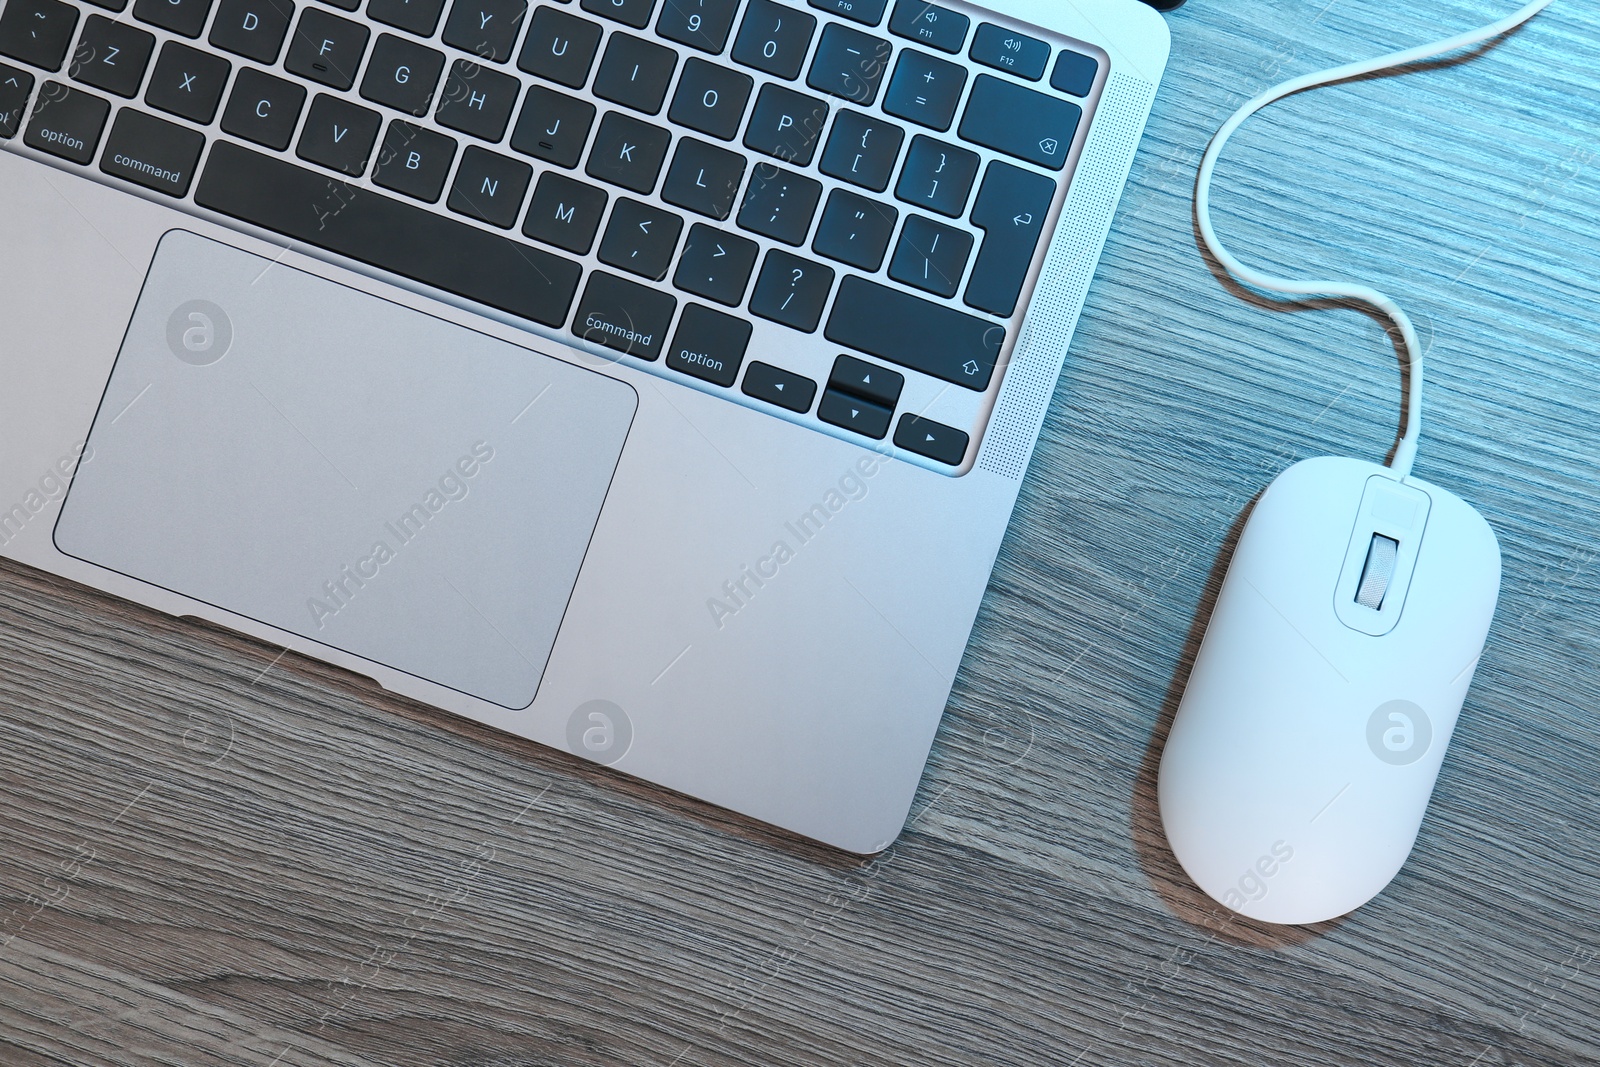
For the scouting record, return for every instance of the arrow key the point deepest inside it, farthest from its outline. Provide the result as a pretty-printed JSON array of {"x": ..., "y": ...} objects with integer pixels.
[
  {"x": 932, "y": 439},
  {"x": 866, "y": 380},
  {"x": 766, "y": 382},
  {"x": 862, "y": 416},
  {"x": 15, "y": 85}
]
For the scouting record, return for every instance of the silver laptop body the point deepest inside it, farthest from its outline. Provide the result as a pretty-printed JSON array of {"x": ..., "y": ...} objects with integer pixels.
[{"x": 723, "y": 528}]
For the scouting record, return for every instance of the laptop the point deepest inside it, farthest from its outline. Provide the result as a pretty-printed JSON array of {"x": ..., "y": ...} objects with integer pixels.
[{"x": 652, "y": 379}]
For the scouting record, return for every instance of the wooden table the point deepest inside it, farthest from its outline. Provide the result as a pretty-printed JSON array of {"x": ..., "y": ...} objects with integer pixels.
[{"x": 214, "y": 853}]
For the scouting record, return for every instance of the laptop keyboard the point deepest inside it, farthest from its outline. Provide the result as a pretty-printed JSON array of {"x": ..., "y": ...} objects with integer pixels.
[{"x": 828, "y": 210}]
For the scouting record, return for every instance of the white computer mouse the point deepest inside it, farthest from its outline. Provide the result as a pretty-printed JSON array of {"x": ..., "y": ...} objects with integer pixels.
[{"x": 1336, "y": 661}]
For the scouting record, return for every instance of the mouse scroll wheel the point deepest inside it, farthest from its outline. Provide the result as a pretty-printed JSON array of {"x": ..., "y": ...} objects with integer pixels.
[{"x": 1375, "y": 576}]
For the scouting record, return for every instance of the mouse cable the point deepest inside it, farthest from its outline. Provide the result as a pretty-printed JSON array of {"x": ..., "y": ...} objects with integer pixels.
[{"x": 1406, "y": 452}]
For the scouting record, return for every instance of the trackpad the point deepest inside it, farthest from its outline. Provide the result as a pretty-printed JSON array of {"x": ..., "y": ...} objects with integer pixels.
[{"x": 339, "y": 466}]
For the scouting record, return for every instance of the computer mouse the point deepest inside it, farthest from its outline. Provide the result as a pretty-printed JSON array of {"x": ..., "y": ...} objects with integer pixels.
[{"x": 1325, "y": 691}]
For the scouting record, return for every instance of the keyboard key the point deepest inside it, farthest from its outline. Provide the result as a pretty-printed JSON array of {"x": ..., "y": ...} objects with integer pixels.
[
  {"x": 477, "y": 100},
  {"x": 943, "y": 444},
  {"x": 553, "y": 127},
  {"x": 347, "y": 5},
  {"x": 912, "y": 332},
  {"x": 709, "y": 345},
  {"x": 489, "y": 187},
  {"x": 402, "y": 74},
  {"x": 560, "y": 47},
  {"x": 716, "y": 265},
  {"x": 339, "y": 135},
  {"x": 1011, "y": 208},
  {"x": 930, "y": 256},
  {"x": 254, "y": 29},
  {"x": 924, "y": 89},
  {"x": 774, "y": 38},
  {"x": 188, "y": 82},
  {"x": 486, "y": 28},
  {"x": 1074, "y": 73},
  {"x": 791, "y": 290},
  {"x": 849, "y": 63},
  {"x": 855, "y": 230},
  {"x": 862, "y": 416},
  {"x": 66, "y": 122},
  {"x": 866, "y": 12},
  {"x": 640, "y": 239},
  {"x": 866, "y": 380},
  {"x": 15, "y": 85},
  {"x": 635, "y": 73},
  {"x": 263, "y": 109},
  {"x": 152, "y": 152},
  {"x": 766, "y": 382},
  {"x": 565, "y": 213},
  {"x": 779, "y": 204},
  {"x": 414, "y": 161},
  {"x": 937, "y": 176},
  {"x": 862, "y": 150},
  {"x": 936, "y": 27},
  {"x": 187, "y": 17},
  {"x": 624, "y": 315},
  {"x": 628, "y": 152},
  {"x": 635, "y": 13},
  {"x": 110, "y": 5},
  {"x": 1020, "y": 122},
  {"x": 386, "y": 233},
  {"x": 702, "y": 24},
  {"x": 1004, "y": 49},
  {"x": 786, "y": 124},
  {"x": 38, "y": 32},
  {"x": 710, "y": 98},
  {"x": 420, "y": 17},
  {"x": 703, "y": 178},
  {"x": 326, "y": 48},
  {"x": 111, "y": 56}
]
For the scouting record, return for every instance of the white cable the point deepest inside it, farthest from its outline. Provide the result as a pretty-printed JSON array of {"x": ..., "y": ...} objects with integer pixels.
[{"x": 1406, "y": 451}]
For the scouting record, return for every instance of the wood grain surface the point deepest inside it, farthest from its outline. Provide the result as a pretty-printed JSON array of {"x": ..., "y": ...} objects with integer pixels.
[{"x": 215, "y": 853}]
